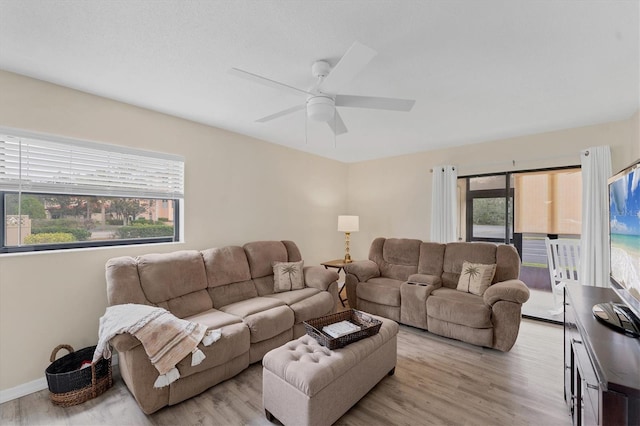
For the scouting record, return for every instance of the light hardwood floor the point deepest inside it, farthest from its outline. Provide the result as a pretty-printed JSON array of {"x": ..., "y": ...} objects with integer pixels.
[{"x": 438, "y": 381}]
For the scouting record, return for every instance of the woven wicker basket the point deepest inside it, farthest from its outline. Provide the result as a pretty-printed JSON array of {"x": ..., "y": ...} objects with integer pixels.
[
  {"x": 368, "y": 327},
  {"x": 70, "y": 385}
]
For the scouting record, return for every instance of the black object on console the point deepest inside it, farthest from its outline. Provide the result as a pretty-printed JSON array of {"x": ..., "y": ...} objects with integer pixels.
[{"x": 617, "y": 316}]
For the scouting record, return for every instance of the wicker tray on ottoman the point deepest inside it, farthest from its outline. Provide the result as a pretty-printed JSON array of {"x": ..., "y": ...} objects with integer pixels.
[{"x": 368, "y": 327}]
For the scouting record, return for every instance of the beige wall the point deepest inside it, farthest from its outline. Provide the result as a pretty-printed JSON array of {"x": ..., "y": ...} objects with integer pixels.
[
  {"x": 392, "y": 196},
  {"x": 238, "y": 189}
]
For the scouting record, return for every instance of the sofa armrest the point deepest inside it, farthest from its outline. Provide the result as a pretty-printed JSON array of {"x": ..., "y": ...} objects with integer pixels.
[
  {"x": 319, "y": 277},
  {"x": 363, "y": 270},
  {"x": 425, "y": 280},
  {"x": 511, "y": 290},
  {"x": 124, "y": 342}
]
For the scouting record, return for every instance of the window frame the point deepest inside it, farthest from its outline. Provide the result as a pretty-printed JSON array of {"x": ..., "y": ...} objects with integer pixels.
[{"x": 26, "y": 248}]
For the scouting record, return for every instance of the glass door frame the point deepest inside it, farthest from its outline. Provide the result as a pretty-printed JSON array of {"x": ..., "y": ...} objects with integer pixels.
[
  {"x": 511, "y": 237},
  {"x": 507, "y": 193}
]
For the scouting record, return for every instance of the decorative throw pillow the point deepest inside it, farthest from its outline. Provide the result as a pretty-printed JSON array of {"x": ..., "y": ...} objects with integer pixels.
[
  {"x": 287, "y": 276},
  {"x": 475, "y": 277}
]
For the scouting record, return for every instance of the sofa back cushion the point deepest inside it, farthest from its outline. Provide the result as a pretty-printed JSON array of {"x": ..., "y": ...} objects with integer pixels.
[
  {"x": 431, "y": 259},
  {"x": 228, "y": 275},
  {"x": 123, "y": 282},
  {"x": 175, "y": 281},
  {"x": 486, "y": 253},
  {"x": 508, "y": 263},
  {"x": 397, "y": 258},
  {"x": 293, "y": 253},
  {"x": 261, "y": 256}
]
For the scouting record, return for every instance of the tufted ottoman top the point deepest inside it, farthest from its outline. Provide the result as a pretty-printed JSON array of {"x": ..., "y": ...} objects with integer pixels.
[{"x": 309, "y": 366}]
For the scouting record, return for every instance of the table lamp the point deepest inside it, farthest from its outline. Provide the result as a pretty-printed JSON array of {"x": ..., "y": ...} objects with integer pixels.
[{"x": 348, "y": 224}]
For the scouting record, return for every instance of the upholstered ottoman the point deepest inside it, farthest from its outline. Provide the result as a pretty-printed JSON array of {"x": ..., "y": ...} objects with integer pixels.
[{"x": 304, "y": 383}]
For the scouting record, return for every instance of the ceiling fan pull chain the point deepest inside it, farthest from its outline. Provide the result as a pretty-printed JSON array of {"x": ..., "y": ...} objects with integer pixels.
[
  {"x": 306, "y": 131},
  {"x": 316, "y": 87},
  {"x": 335, "y": 120}
]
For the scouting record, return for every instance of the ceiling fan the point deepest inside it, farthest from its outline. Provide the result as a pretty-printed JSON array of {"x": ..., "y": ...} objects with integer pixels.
[{"x": 323, "y": 98}]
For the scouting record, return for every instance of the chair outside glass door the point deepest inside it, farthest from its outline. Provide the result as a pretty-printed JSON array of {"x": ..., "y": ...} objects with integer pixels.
[{"x": 563, "y": 256}]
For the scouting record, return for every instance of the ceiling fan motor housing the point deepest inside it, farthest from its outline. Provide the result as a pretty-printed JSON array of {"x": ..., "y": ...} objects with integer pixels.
[{"x": 321, "y": 108}]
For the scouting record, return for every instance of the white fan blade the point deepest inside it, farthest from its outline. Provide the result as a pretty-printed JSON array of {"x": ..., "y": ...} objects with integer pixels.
[
  {"x": 356, "y": 58},
  {"x": 337, "y": 125},
  {"x": 267, "y": 82},
  {"x": 373, "y": 102},
  {"x": 281, "y": 113}
]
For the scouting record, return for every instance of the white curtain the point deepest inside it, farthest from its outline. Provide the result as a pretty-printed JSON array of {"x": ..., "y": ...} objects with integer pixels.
[
  {"x": 594, "y": 248},
  {"x": 444, "y": 204}
]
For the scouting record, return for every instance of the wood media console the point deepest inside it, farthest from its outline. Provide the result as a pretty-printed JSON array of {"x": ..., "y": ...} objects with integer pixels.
[{"x": 601, "y": 365}]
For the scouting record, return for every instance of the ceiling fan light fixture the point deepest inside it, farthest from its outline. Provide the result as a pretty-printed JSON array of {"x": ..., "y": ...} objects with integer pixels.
[{"x": 321, "y": 108}]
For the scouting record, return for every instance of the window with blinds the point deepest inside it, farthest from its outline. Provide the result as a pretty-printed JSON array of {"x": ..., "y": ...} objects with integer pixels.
[{"x": 60, "y": 193}]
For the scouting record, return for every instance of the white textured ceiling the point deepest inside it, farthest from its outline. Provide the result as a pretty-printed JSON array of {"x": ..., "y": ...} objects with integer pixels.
[{"x": 478, "y": 70}]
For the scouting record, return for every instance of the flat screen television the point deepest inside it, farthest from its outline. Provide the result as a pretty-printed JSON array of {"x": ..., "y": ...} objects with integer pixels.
[{"x": 624, "y": 235}]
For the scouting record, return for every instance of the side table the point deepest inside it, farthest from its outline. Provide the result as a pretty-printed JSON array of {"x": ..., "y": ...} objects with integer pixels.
[{"x": 338, "y": 264}]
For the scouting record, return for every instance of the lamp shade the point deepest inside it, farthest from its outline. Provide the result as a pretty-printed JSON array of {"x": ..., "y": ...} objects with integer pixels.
[{"x": 348, "y": 223}]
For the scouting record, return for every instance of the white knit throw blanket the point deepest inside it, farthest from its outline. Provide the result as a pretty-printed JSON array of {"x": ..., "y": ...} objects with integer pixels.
[{"x": 166, "y": 339}]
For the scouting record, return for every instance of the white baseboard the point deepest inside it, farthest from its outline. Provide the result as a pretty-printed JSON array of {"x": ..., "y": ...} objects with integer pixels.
[
  {"x": 23, "y": 389},
  {"x": 33, "y": 386}
]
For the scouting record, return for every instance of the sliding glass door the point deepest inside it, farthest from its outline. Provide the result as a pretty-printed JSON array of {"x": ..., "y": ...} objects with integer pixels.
[{"x": 522, "y": 209}]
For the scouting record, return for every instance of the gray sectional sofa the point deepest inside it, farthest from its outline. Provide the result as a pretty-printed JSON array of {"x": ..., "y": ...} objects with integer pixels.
[
  {"x": 415, "y": 283},
  {"x": 230, "y": 288}
]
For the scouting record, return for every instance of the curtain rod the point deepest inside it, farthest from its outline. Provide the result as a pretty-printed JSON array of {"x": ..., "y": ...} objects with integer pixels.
[
  {"x": 513, "y": 162},
  {"x": 431, "y": 170}
]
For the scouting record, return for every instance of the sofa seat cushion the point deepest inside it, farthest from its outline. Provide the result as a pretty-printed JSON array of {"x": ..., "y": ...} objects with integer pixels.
[
  {"x": 251, "y": 306},
  {"x": 459, "y": 308},
  {"x": 308, "y": 303},
  {"x": 266, "y": 317},
  {"x": 264, "y": 325},
  {"x": 312, "y": 307},
  {"x": 384, "y": 291},
  {"x": 234, "y": 342},
  {"x": 294, "y": 296},
  {"x": 214, "y": 318}
]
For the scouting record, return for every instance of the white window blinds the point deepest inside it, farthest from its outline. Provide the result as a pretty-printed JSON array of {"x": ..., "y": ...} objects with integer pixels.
[{"x": 62, "y": 166}]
